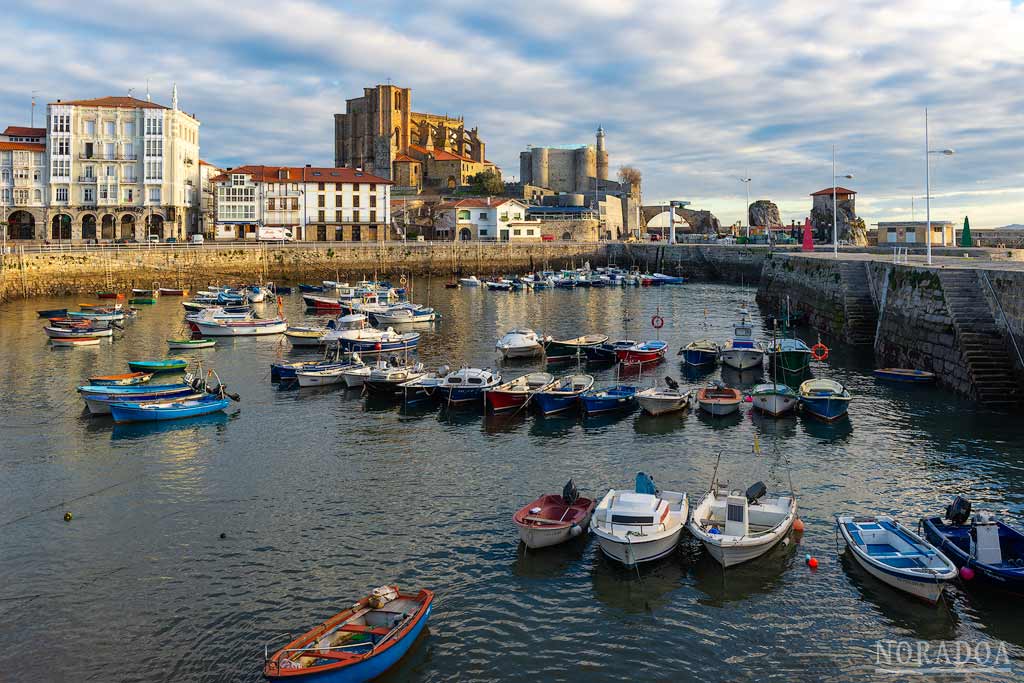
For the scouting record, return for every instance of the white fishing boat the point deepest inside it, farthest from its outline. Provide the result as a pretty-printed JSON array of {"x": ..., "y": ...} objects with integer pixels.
[
  {"x": 305, "y": 335},
  {"x": 897, "y": 556},
  {"x": 74, "y": 341},
  {"x": 470, "y": 281},
  {"x": 640, "y": 525},
  {"x": 325, "y": 376},
  {"x": 73, "y": 332},
  {"x": 737, "y": 526},
  {"x": 387, "y": 381},
  {"x": 659, "y": 400},
  {"x": 742, "y": 352},
  {"x": 404, "y": 314},
  {"x": 520, "y": 343},
  {"x": 355, "y": 376},
  {"x": 774, "y": 398},
  {"x": 239, "y": 328}
]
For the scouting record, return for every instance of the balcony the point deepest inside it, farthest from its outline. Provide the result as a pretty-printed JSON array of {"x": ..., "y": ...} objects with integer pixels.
[
  {"x": 129, "y": 180},
  {"x": 87, "y": 179},
  {"x": 127, "y": 157}
]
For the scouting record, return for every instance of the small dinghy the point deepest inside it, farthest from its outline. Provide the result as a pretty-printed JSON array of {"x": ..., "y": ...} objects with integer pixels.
[
  {"x": 423, "y": 388},
  {"x": 166, "y": 365},
  {"x": 326, "y": 373},
  {"x": 824, "y": 398},
  {"x": 470, "y": 281},
  {"x": 988, "y": 552},
  {"x": 73, "y": 331},
  {"x": 737, "y": 527},
  {"x": 519, "y": 343},
  {"x": 741, "y": 352},
  {"x": 789, "y": 354},
  {"x": 181, "y": 344},
  {"x": 718, "y": 399},
  {"x": 71, "y": 342},
  {"x": 554, "y": 519},
  {"x": 659, "y": 401},
  {"x": 559, "y": 350},
  {"x": 562, "y": 395},
  {"x": 619, "y": 398},
  {"x": 359, "y": 643},
  {"x": 608, "y": 352},
  {"x": 646, "y": 352},
  {"x": 167, "y": 291},
  {"x": 124, "y": 379},
  {"x": 904, "y": 375},
  {"x": 700, "y": 352},
  {"x": 176, "y": 409},
  {"x": 895, "y": 555},
  {"x": 511, "y": 395},
  {"x": 356, "y": 374},
  {"x": 387, "y": 381},
  {"x": 774, "y": 398},
  {"x": 53, "y": 313},
  {"x": 640, "y": 525}
]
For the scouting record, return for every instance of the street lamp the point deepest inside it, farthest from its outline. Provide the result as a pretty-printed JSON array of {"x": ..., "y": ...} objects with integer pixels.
[
  {"x": 835, "y": 205},
  {"x": 746, "y": 183},
  {"x": 928, "y": 183}
]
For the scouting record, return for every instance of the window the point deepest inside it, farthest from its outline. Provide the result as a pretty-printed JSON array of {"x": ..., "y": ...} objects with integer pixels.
[
  {"x": 88, "y": 150},
  {"x": 104, "y": 192},
  {"x": 108, "y": 129},
  {"x": 129, "y": 194},
  {"x": 154, "y": 170},
  {"x": 21, "y": 197},
  {"x": 295, "y": 203},
  {"x": 517, "y": 232},
  {"x": 129, "y": 174},
  {"x": 88, "y": 195},
  {"x": 319, "y": 186},
  {"x": 373, "y": 216},
  {"x": 483, "y": 233},
  {"x": 320, "y": 199},
  {"x": 338, "y": 200},
  {"x": 154, "y": 126},
  {"x": 63, "y": 146},
  {"x": 320, "y": 217},
  {"x": 503, "y": 217},
  {"x": 61, "y": 168},
  {"x": 355, "y": 201},
  {"x": 337, "y": 217},
  {"x": 483, "y": 215},
  {"x": 38, "y": 196},
  {"x": 154, "y": 148},
  {"x": 62, "y": 123},
  {"x": 129, "y": 129},
  {"x": 88, "y": 170},
  {"x": 373, "y": 200},
  {"x": 154, "y": 194},
  {"x": 90, "y": 128},
  {"x": 463, "y": 215},
  {"x": 110, "y": 171},
  {"x": 62, "y": 194},
  {"x": 128, "y": 149}
]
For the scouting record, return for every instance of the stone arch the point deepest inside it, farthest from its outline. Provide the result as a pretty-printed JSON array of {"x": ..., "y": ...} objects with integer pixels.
[
  {"x": 21, "y": 225},
  {"x": 88, "y": 227},
  {"x": 60, "y": 227},
  {"x": 465, "y": 235},
  {"x": 127, "y": 228},
  {"x": 155, "y": 225},
  {"x": 108, "y": 226},
  {"x": 566, "y": 236}
]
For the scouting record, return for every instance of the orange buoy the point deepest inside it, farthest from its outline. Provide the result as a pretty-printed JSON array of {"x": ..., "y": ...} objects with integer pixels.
[
  {"x": 819, "y": 351},
  {"x": 812, "y": 563},
  {"x": 798, "y": 525}
]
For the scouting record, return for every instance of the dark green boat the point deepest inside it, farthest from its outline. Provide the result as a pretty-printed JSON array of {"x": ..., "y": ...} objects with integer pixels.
[
  {"x": 568, "y": 349},
  {"x": 790, "y": 355}
]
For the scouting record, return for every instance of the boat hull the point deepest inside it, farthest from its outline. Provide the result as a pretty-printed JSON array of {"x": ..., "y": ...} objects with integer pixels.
[
  {"x": 552, "y": 404},
  {"x": 718, "y": 408},
  {"x": 1001, "y": 578},
  {"x": 663, "y": 406},
  {"x": 314, "y": 379},
  {"x": 527, "y": 351},
  {"x": 132, "y": 412},
  {"x": 504, "y": 401},
  {"x": 558, "y": 352},
  {"x": 826, "y": 407},
  {"x": 636, "y": 552},
  {"x": 775, "y": 404},
  {"x": 929, "y": 591},
  {"x": 632, "y": 357},
  {"x": 697, "y": 358},
  {"x": 157, "y": 366},
  {"x": 99, "y": 404},
  {"x": 535, "y": 537},
  {"x": 742, "y": 359},
  {"x": 229, "y": 330},
  {"x": 791, "y": 361},
  {"x": 71, "y": 342},
  {"x": 597, "y": 405},
  {"x": 904, "y": 376}
]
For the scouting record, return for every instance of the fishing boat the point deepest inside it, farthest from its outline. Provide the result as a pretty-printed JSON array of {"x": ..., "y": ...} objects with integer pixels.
[
  {"x": 553, "y": 519},
  {"x": 741, "y": 352},
  {"x": 310, "y": 288},
  {"x": 788, "y": 354},
  {"x": 168, "y": 291},
  {"x": 658, "y": 400},
  {"x": 992, "y": 552},
  {"x": 662, "y": 279},
  {"x": 387, "y": 381},
  {"x": 124, "y": 379},
  {"x": 701, "y": 352},
  {"x": 519, "y": 343},
  {"x": 157, "y": 366},
  {"x": 70, "y": 332},
  {"x": 322, "y": 303},
  {"x": 718, "y": 399},
  {"x": 774, "y": 398},
  {"x": 183, "y": 344},
  {"x": 619, "y": 398},
  {"x": 53, "y": 313},
  {"x": 325, "y": 374},
  {"x": 359, "y": 643},
  {"x": 737, "y": 527},
  {"x": 104, "y": 316},
  {"x": 471, "y": 281},
  {"x": 824, "y": 398},
  {"x": 109, "y": 295},
  {"x": 356, "y": 374},
  {"x": 562, "y": 394},
  {"x": 897, "y": 556},
  {"x": 189, "y": 382},
  {"x": 640, "y": 525},
  {"x": 643, "y": 353},
  {"x": 152, "y": 411},
  {"x": 904, "y": 375},
  {"x": 557, "y": 350},
  {"x": 608, "y": 352},
  {"x": 405, "y": 313},
  {"x": 71, "y": 342},
  {"x": 142, "y": 296},
  {"x": 305, "y": 335},
  {"x": 423, "y": 388},
  {"x": 98, "y": 402},
  {"x": 467, "y": 385},
  {"x": 239, "y": 328},
  {"x": 373, "y": 342},
  {"x": 514, "y": 394}
]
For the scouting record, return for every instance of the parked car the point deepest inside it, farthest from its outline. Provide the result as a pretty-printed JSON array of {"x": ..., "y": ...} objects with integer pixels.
[
  {"x": 171, "y": 240},
  {"x": 153, "y": 239},
  {"x": 196, "y": 239}
]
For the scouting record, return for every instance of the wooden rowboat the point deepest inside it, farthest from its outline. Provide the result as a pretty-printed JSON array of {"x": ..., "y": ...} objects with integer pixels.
[
  {"x": 905, "y": 375},
  {"x": 75, "y": 341},
  {"x": 178, "y": 344},
  {"x": 719, "y": 400},
  {"x": 357, "y": 644},
  {"x": 124, "y": 379},
  {"x": 554, "y": 519},
  {"x": 168, "y": 365}
]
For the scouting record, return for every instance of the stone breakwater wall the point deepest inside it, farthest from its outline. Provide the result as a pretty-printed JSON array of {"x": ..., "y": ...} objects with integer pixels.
[
  {"x": 86, "y": 271},
  {"x": 813, "y": 287},
  {"x": 711, "y": 263}
]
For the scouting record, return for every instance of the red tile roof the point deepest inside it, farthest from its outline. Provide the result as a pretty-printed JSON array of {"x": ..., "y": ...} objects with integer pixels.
[
  {"x": 440, "y": 154},
  {"x": 406, "y": 159},
  {"x": 476, "y": 203},
  {"x": 120, "y": 102},
  {"x": 25, "y": 132},
  {"x": 295, "y": 174},
  {"x": 203, "y": 162},
  {"x": 23, "y": 146},
  {"x": 828, "y": 191}
]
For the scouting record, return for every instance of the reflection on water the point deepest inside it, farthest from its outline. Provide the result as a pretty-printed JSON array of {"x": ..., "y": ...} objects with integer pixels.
[{"x": 719, "y": 587}]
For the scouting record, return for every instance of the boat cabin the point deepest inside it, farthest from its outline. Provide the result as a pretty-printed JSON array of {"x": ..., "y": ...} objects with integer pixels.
[
  {"x": 632, "y": 509},
  {"x": 743, "y": 514}
]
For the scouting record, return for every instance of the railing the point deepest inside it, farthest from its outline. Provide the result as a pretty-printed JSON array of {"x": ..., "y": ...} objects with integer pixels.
[
  {"x": 87, "y": 179},
  {"x": 1006, "y": 321},
  {"x": 900, "y": 255},
  {"x": 128, "y": 157}
]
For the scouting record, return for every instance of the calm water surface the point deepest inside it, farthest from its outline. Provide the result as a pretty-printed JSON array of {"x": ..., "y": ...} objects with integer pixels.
[{"x": 322, "y": 496}]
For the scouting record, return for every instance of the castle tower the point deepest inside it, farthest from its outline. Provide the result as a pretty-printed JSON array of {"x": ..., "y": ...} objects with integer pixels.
[{"x": 602, "y": 156}]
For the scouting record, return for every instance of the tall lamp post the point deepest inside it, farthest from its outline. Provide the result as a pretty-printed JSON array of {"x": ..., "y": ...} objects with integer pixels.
[
  {"x": 835, "y": 205},
  {"x": 746, "y": 211},
  {"x": 928, "y": 183}
]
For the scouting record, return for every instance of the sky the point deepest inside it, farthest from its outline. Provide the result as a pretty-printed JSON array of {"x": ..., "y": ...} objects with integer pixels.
[{"x": 697, "y": 95}]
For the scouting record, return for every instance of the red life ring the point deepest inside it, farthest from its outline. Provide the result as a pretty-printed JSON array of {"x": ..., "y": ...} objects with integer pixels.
[
  {"x": 657, "y": 322},
  {"x": 819, "y": 351}
]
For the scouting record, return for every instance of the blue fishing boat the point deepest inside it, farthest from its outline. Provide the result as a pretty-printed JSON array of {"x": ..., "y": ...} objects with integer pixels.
[
  {"x": 466, "y": 385},
  {"x": 824, "y": 398},
  {"x": 608, "y": 351},
  {"x": 618, "y": 398},
  {"x": 53, "y": 313},
  {"x": 358, "y": 644},
  {"x": 992, "y": 551},
  {"x": 129, "y": 389},
  {"x": 700, "y": 352},
  {"x": 99, "y": 404},
  {"x": 905, "y": 375},
  {"x": 309, "y": 289},
  {"x": 172, "y": 410},
  {"x": 662, "y": 279},
  {"x": 563, "y": 395},
  {"x": 167, "y": 365}
]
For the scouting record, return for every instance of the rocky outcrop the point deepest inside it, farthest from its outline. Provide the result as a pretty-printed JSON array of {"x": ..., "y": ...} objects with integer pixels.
[
  {"x": 850, "y": 228},
  {"x": 764, "y": 213}
]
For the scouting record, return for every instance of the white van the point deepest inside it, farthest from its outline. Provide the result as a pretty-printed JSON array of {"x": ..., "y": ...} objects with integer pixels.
[{"x": 196, "y": 239}]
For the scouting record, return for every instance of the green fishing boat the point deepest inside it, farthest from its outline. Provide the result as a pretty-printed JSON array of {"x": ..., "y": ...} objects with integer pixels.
[
  {"x": 568, "y": 349},
  {"x": 790, "y": 355},
  {"x": 167, "y": 365}
]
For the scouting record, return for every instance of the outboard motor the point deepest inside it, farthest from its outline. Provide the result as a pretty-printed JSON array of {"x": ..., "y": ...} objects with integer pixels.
[
  {"x": 755, "y": 492},
  {"x": 570, "y": 494},
  {"x": 959, "y": 511},
  {"x": 443, "y": 370},
  {"x": 672, "y": 384}
]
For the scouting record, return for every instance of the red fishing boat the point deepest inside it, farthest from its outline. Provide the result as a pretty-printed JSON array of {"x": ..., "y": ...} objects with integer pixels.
[
  {"x": 321, "y": 303},
  {"x": 646, "y": 352},
  {"x": 514, "y": 394},
  {"x": 554, "y": 519}
]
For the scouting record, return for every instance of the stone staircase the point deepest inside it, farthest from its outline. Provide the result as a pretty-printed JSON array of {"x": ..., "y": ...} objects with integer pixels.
[
  {"x": 984, "y": 350},
  {"x": 861, "y": 314}
]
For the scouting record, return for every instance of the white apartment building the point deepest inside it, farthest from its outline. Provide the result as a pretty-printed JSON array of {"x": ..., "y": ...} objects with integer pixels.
[
  {"x": 315, "y": 204},
  {"x": 485, "y": 219}
]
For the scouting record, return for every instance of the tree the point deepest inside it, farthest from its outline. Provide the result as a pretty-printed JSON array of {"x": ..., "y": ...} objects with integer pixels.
[
  {"x": 487, "y": 183},
  {"x": 630, "y": 176}
]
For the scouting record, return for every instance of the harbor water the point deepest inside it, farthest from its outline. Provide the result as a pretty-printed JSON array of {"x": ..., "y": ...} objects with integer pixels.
[{"x": 195, "y": 544}]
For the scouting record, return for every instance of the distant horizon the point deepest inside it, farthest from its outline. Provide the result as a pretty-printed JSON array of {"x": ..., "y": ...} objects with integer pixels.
[{"x": 693, "y": 96}]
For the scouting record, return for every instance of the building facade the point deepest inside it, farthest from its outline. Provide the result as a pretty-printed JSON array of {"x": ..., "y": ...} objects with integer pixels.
[
  {"x": 381, "y": 134},
  {"x": 915, "y": 233},
  {"x": 208, "y": 198},
  {"x": 22, "y": 187},
  {"x": 566, "y": 169},
  {"x": 311, "y": 204},
  {"x": 485, "y": 219}
]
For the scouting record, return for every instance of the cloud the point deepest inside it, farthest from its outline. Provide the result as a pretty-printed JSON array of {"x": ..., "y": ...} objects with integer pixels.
[{"x": 696, "y": 94}]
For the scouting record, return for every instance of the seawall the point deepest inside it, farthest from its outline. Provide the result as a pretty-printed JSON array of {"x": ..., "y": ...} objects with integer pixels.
[{"x": 706, "y": 262}]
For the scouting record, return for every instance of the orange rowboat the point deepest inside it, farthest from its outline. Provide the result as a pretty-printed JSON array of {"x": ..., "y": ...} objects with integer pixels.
[{"x": 124, "y": 379}]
